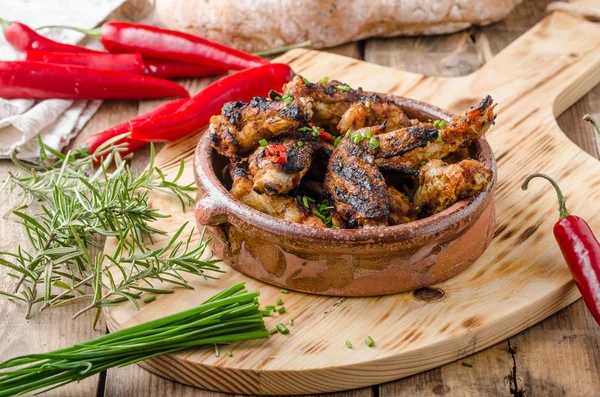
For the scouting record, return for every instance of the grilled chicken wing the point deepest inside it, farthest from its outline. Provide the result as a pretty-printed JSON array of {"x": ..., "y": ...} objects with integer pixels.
[
  {"x": 273, "y": 178},
  {"x": 371, "y": 110},
  {"x": 401, "y": 209},
  {"x": 441, "y": 185},
  {"x": 357, "y": 187},
  {"x": 331, "y": 99},
  {"x": 240, "y": 126},
  {"x": 283, "y": 207},
  {"x": 460, "y": 132}
]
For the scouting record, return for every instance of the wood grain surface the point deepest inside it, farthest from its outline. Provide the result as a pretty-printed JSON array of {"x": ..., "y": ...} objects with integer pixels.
[
  {"x": 557, "y": 357},
  {"x": 516, "y": 283}
]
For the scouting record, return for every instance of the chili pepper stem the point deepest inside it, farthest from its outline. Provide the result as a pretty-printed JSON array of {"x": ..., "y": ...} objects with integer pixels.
[
  {"x": 279, "y": 50},
  {"x": 589, "y": 118},
  {"x": 4, "y": 24},
  {"x": 93, "y": 33},
  {"x": 562, "y": 204}
]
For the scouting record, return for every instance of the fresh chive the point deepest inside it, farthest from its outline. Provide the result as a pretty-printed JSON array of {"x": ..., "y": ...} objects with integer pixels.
[
  {"x": 278, "y": 98},
  {"x": 270, "y": 307},
  {"x": 443, "y": 124},
  {"x": 305, "y": 201},
  {"x": 439, "y": 138},
  {"x": 279, "y": 302},
  {"x": 327, "y": 220},
  {"x": 337, "y": 141},
  {"x": 300, "y": 143},
  {"x": 423, "y": 162},
  {"x": 229, "y": 353},
  {"x": 436, "y": 124},
  {"x": 367, "y": 134},
  {"x": 290, "y": 321},
  {"x": 272, "y": 331},
  {"x": 368, "y": 104},
  {"x": 348, "y": 344},
  {"x": 325, "y": 80},
  {"x": 305, "y": 80},
  {"x": 216, "y": 350},
  {"x": 373, "y": 142},
  {"x": 467, "y": 364},
  {"x": 312, "y": 200},
  {"x": 263, "y": 142},
  {"x": 281, "y": 310},
  {"x": 357, "y": 138},
  {"x": 266, "y": 312},
  {"x": 341, "y": 165},
  {"x": 369, "y": 341},
  {"x": 335, "y": 227},
  {"x": 318, "y": 214},
  {"x": 284, "y": 291},
  {"x": 305, "y": 129},
  {"x": 282, "y": 328},
  {"x": 418, "y": 210},
  {"x": 150, "y": 299},
  {"x": 343, "y": 87}
]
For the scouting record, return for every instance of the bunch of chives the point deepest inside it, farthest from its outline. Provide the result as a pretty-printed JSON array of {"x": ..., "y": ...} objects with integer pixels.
[{"x": 231, "y": 315}]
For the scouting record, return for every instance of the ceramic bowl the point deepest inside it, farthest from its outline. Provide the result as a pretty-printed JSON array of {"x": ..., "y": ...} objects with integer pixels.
[{"x": 339, "y": 262}]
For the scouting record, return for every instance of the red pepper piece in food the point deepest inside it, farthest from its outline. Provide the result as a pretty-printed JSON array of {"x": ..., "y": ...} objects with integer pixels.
[
  {"x": 23, "y": 38},
  {"x": 326, "y": 136},
  {"x": 153, "y": 42},
  {"x": 93, "y": 142},
  {"x": 130, "y": 63},
  {"x": 35, "y": 80},
  {"x": 196, "y": 113},
  {"x": 277, "y": 154},
  {"x": 580, "y": 249},
  {"x": 176, "y": 69}
]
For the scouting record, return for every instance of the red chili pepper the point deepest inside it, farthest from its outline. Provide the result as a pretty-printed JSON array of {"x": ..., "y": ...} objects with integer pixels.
[
  {"x": 34, "y": 80},
  {"x": 94, "y": 141},
  {"x": 175, "y": 69},
  {"x": 153, "y": 42},
  {"x": 580, "y": 249},
  {"x": 196, "y": 113},
  {"x": 130, "y": 63},
  {"x": 23, "y": 38},
  {"x": 277, "y": 154},
  {"x": 326, "y": 136}
]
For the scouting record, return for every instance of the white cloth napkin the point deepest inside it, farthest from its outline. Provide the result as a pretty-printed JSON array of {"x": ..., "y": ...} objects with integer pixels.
[{"x": 56, "y": 120}]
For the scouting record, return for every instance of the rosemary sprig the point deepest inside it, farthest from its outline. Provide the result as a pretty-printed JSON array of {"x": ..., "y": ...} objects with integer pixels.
[
  {"x": 231, "y": 315},
  {"x": 68, "y": 203}
]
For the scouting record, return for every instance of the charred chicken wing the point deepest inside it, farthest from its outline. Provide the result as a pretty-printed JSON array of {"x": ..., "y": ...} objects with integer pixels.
[
  {"x": 401, "y": 209},
  {"x": 441, "y": 185},
  {"x": 240, "y": 126},
  {"x": 373, "y": 109},
  {"x": 357, "y": 187}
]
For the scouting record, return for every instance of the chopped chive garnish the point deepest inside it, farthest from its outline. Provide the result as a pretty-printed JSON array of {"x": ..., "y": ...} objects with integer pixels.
[
  {"x": 278, "y": 98},
  {"x": 216, "y": 350},
  {"x": 368, "y": 104},
  {"x": 439, "y": 138},
  {"x": 305, "y": 201},
  {"x": 266, "y": 312},
  {"x": 150, "y": 299},
  {"x": 290, "y": 321},
  {"x": 300, "y": 143},
  {"x": 270, "y": 307},
  {"x": 305, "y": 129},
  {"x": 423, "y": 162},
  {"x": 369, "y": 341},
  {"x": 429, "y": 120},
  {"x": 281, "y": 310},
  {"x": 357, "y": 138},
  {"x": 436, "y": 124},
  {"x": 305, "y": 80},
  {"x": 325, "y": 80},
  {"x": 374, "y": 143},
  {"x": 284, "y": 291},
  {"x": 263, "y": 142},
  {"x": 343, "y": 87},
  {"x": 282, "y": 328},
  {"x": 418, "y": 210},
  {"x": 467, "y": 364},
  {"x": 367, "y": 134},
  {"x": 272, "y": 331},
  {"x": 335, "y": 227},
  {"x": 337, "y": 141},
  {"x": 443, "y": 124},
  {"x": 348, "y": 344},
  {"x": 341, "y": 165},
  {"x": 229, "y": 353},
  {"x": 318, "y": 214},
  {"x": 279, "y": 302}
]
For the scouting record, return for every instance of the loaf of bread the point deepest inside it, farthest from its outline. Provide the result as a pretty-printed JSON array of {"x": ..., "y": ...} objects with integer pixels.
[{"x": 254, "y": 25}]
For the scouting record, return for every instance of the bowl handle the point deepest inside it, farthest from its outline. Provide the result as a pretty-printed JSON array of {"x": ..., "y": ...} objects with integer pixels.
[{"x": 209, "y": 212}]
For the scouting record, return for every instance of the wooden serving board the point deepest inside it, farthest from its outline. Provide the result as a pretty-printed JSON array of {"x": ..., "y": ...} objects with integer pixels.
[{"x": 520, "y": 280}]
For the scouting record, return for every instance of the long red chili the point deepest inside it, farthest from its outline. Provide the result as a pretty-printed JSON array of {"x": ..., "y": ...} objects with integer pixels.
[
  {"x": 580, "y": 249},
  {"x": 175, "y": 69},
  {"x": 196, "y": 113},
  {"x": 23, "y": 38},
  {"x": 153, "y": 42},
  {"x": 130, "y": 63},
  {"x": 94, "y": 141},
  {"x": 35, "y": 80}
]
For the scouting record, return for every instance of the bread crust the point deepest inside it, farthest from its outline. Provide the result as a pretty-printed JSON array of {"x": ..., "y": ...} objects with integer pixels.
[{"x": 254, "y": 25}]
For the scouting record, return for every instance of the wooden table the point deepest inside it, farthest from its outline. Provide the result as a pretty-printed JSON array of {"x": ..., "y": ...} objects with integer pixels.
[{"x": 558, "y": 357}]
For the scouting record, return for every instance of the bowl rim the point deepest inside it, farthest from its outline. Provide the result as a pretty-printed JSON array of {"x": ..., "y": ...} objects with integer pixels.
[{"x": 425, "y": 228}]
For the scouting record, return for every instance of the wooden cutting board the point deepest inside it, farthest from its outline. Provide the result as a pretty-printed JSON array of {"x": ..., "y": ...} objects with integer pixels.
[{"x": 520, "y": 280}]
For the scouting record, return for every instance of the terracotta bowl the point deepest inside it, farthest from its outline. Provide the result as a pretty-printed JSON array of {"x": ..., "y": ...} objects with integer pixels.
[{"x": 362, "y": 262}]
